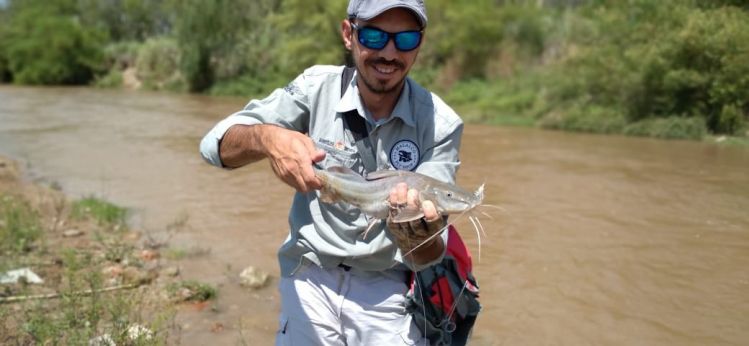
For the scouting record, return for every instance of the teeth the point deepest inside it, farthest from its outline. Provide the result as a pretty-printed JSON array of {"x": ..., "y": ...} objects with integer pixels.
[{"x": 384, "y": 69}]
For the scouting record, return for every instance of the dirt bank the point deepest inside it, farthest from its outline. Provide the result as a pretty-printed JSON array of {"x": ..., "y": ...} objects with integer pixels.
[{"x": 97, "y": 278}]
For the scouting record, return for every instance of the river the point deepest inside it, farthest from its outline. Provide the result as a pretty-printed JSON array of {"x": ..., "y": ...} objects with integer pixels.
[{"x": 600, "y": 240}]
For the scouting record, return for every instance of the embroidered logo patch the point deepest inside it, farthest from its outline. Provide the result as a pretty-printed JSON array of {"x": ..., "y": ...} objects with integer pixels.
[
  {"x": 292, "y": 88},
  {"x": 404, "y": 155}
]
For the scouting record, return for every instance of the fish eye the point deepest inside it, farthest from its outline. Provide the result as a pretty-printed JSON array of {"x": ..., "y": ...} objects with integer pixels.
[{"x": 449, "y": 194}]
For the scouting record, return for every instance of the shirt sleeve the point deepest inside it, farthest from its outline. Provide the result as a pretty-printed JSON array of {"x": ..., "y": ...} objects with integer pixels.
[{"x": 287, "y": 107}]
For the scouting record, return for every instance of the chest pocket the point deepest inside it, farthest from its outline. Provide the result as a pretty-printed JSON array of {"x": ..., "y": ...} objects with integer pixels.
[
  {"x": 346, "y": 157},
  {"x": 341, "y": 156}
]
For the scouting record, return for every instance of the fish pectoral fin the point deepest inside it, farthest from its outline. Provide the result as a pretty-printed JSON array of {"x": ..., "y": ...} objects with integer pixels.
[
  {"x": 372, "y": 223},
  {"x": 405, "y": 214}
]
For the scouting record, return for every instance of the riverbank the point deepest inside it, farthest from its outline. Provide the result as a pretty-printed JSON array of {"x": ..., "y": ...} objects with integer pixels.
[{"x": 74, "y": 272}]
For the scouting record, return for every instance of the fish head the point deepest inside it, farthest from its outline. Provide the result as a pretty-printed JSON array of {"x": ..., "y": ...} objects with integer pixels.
[{"x": 450, "y": 199}]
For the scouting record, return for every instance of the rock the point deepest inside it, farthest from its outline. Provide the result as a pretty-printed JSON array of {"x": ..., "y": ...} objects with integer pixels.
[
  {"x": 132, "y": 275},
  {"x": 149, "y": 255},
  {"x": 135, "y": 333},
  {"x": 71, "y": 233},
  {"x": 217, "y": 327},
  {"x": 171, "y": 271},
  {"x": 131, "y": 236},
  {"x": 112, "y": 271},
  {"x": 102, "y": 340},
  {"x": 253, "y": 278}
]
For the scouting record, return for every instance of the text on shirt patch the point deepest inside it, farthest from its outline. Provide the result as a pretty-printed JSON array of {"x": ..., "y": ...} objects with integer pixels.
[{"x": 404, "y": 155}]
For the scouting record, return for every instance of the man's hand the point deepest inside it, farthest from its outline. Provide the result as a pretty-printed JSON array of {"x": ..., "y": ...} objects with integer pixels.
[
  {"x": 413, "y": 236},
  {"x": 290, "y": 153}
]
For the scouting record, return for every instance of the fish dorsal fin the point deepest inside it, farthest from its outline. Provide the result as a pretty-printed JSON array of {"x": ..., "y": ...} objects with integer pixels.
[
  {"x": 345, "y": 172},
  {"x": 479, "y": 193},
  {"x": 385, "y": 173}
]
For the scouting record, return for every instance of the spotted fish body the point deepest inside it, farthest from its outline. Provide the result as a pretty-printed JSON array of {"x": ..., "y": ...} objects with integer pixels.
[{"x": 370, "y": 194}]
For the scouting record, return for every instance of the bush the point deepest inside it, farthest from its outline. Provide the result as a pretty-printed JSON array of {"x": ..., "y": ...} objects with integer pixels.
[
  {"x": 668, "y": 128},
  {"x": 121, "y": 55},
  {"x": 158, "y": 65},
  {"x": 113, "y": 79},
  {"x": 700, "y": 69},
  {"x": 586, "y": 119},
  {"x": 46, "y": 44}
]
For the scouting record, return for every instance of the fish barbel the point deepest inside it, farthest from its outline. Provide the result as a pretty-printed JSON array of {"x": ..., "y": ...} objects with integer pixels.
[{"x": 370, "y": 194}]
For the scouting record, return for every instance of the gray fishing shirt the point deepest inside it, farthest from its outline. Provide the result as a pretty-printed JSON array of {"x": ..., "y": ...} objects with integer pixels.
[{"x": 422, "y": 134}]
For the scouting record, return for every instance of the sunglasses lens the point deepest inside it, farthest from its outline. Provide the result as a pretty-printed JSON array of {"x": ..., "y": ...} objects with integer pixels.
[
  {"x": 377, "y": 39},
  {"x": 373, "y": 38},
  {"x": 407, "y": 40}
]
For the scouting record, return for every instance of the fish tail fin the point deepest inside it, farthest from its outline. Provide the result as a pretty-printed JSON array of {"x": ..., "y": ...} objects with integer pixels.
[{"x": 328, "y": 196}]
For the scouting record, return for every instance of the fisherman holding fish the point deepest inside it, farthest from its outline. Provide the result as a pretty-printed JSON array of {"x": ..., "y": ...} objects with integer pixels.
[{"x": 343, "y": 271}]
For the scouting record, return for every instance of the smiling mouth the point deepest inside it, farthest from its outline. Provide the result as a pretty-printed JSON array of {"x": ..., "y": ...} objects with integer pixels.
[{"x": 385, "y": 67}]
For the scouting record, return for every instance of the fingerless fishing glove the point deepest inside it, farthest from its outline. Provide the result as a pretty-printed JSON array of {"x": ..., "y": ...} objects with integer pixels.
[{"x": 412, "y": 234}]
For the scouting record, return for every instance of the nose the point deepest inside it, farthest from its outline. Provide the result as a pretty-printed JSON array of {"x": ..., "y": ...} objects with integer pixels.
[{"x": 389, "y": 52}]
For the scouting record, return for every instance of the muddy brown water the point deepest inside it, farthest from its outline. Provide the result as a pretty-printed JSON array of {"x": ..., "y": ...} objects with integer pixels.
[{"x": 602, "y": 240}]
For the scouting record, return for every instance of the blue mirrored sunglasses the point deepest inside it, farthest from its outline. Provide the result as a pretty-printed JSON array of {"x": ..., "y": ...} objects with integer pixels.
[{"x": 377, "y": 39}]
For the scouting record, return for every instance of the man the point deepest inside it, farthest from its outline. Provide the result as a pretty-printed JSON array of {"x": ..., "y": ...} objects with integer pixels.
[{"x": 337, "y": 287}]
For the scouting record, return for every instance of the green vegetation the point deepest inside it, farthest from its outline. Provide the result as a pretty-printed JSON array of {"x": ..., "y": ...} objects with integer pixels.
[
  {"x": 19, "y": 226},
  {"x": 192, "y": 291},
  {"x": 668, "y": 69},
  {"x": 43, "y": 43},
  {"x": 86, "y": 305},
  {"x": 79, "y": 318},
  {"x": 103, "y": 212}
]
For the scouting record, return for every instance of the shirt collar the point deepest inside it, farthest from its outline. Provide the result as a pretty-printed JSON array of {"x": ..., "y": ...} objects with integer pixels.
[{"x": 403, "y": 110}]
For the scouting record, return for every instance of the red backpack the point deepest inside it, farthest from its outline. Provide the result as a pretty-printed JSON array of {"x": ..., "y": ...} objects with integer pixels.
[{"x": 443, "y": 298}]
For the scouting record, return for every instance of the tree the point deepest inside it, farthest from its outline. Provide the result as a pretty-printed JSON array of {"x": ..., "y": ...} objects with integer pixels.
[{"x": 45, "y": 43}]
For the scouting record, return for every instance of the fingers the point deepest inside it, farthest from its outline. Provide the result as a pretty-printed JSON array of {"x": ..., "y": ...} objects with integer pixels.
[
  {"x": 315, "y": 154},
  {"x": 412, "y": 198},
  {"x": 399, "y": 195},
  {"x": 292, "y": 157},
  {"x": 430, "y": 211}
]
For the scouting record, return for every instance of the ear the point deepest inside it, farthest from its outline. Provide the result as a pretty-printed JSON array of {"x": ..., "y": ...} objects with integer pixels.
[{"x": 346, "y": 34}]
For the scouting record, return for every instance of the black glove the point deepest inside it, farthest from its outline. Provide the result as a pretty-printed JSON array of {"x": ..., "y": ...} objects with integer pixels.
[{"x": 410, "y": 234}]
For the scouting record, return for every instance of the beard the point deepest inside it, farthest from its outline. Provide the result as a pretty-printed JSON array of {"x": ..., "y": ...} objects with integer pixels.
[{"x": 378, "y": 86}]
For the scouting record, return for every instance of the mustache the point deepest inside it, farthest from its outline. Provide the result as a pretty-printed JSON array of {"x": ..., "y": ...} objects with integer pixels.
[{"x": 384, "y": 61}]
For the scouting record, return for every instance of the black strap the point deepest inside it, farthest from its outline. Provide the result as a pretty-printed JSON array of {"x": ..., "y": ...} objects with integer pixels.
[{"x": 357, "y": 128}]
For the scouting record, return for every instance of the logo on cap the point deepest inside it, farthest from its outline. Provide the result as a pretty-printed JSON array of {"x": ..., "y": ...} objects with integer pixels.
[{"x": 404, "y": 155}]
